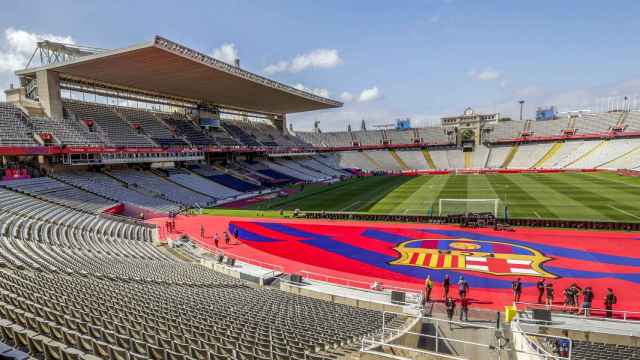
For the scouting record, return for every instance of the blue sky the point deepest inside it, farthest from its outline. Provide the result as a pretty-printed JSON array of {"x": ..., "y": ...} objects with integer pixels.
[{"x": 418, "y": 59}]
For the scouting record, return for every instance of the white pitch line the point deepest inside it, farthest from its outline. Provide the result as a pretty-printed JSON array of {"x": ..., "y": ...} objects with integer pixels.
[
  {"x": 624, "y": 212},
  {"x": 350, "y": 206},
  {"x": 538, "y": 215}
]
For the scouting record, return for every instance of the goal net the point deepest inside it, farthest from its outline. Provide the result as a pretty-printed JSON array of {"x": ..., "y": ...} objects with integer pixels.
[{"x": 465, "y": 206}]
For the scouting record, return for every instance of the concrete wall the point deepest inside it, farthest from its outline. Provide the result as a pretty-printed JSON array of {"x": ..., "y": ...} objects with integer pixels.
[{"x": 49, "y": 93}]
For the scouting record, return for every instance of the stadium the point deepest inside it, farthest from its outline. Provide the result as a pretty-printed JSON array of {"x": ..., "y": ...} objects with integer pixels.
[{"x": 157, "y": 205}]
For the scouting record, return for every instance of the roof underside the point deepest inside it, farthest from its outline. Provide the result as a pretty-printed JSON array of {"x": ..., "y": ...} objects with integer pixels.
[{"x": 171, "y": 69}]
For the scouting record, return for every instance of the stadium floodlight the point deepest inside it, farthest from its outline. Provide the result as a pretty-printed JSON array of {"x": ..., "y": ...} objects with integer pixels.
[{"x": 465, "y": 206}]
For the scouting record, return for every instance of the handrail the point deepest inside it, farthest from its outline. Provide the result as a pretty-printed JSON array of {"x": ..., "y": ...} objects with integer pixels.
[
  {"x": 352, "y": 283},
  {"x": 579, "y": 310}
]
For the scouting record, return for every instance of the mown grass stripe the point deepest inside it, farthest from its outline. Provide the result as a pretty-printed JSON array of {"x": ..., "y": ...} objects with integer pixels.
[
  {"x": 582, "y": 195},
  {"x": 519, "y": 201}
]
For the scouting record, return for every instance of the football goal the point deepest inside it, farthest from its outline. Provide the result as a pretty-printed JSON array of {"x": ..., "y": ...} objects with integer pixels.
[{"x": 465, "y": 206}]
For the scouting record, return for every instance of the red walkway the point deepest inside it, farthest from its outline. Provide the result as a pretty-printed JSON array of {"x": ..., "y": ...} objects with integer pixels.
[{"x": 401, "y": 255}]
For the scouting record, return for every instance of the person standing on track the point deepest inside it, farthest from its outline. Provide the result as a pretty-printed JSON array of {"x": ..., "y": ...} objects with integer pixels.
[
  {"x": 540, "y": 285},
  {"x": 216, "y": 240},
  {"x": 451, "y": 307},
  {"x": 517, "y": 289},
  {"x": 464, "y": 309},
  {"x": 446, "y": 283},
  {"x": 609, "y": 301},
  {"x": 549, "y": 294},
  {"x": 463, "y": 287},
  {"x": 428, "y": 286}
]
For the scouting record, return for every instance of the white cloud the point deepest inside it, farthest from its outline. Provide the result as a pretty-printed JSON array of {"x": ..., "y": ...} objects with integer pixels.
[
  {"x": 18, "y": 45},
  {"x": 319, "y": 58},
  {"x": 370, "y": 94},
  {"x": 346, "y": 96},
  {"x": 227, "y": 53},
  {"x": 487, "y": 74},
  {"x": 434, "y": 19},
  {"x": 315, "y": 91}
]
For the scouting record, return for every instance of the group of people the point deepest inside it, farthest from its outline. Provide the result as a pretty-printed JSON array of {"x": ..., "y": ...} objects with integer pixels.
[
  {"x": 170, "y": 225},
  {"x": 225, "y": 236},
  {"x": 450, "y": 302},
  {"x": 571, "y": 297}
]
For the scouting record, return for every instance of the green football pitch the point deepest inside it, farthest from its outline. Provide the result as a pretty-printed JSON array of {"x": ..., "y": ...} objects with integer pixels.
[{"x": 579, "y": 196}]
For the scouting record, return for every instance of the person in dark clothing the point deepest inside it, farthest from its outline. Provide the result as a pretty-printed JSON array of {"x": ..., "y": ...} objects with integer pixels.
[
  {"x": 609, "y": 300},
  {"x": 517, "y": 289},
  {"x": 464, "y": 309},
  {"x": 451, "y": 307},
  {"x": 588, "y": 299},
  {"x": 428, "y": 286},
  {"x": 216, "y": 240},
  {"x": 550, "y": 294},
  {"x": 201, "y": 232},
  {"x": 235, "y": 233},
  {"x": 446, "y": 283},
  {"x": 463, "y": 287},
  {"x": 540, "y": 285},
  {"x": 226, "y": 238}
]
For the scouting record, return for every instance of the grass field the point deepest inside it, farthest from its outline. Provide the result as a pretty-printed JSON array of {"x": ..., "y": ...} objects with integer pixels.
[{"x": 580, "y": 196}]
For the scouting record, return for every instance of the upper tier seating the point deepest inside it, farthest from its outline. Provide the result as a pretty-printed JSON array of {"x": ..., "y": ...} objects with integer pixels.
[
  {"x": 201, "y": 184},
  {"x": 433, "y": 135},
  {"x": 368, "y": 137},
  {"x": 60, "y": 193},
  {"x": 111, "y": 188},
  {"x": 589, "y": 123},
  {"x": 153, "y": 184},
  {"x": 549, "y": 127},
  {"x": 67, "y": 131},
  {"x": 187, "y": 129},
  {"x": 235, "y": 129},
  {"x": 151, "y": 126},
  {"x": 506, "y": 130},
  {"x": 400, "y": 136},
  {"x": 116, "y": 130},
  {"x": 14, "y": 130}
]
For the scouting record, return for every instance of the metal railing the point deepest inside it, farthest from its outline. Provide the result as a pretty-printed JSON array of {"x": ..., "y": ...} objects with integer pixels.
[
  {"x": 360, "y": 285},
  {"x": 499, "y": 347},
  {"x": 577, "y": 311}
]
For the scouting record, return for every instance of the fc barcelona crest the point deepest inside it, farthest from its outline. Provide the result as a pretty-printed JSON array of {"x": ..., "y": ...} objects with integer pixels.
[{"x": 490, "y": 257}]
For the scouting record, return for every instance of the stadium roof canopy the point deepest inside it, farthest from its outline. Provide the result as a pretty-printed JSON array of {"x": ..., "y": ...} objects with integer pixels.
[{"x": 166, "y": 68}]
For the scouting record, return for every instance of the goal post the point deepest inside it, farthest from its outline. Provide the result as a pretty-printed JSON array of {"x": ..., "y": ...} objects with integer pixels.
[{"x": 465, "y": 206}]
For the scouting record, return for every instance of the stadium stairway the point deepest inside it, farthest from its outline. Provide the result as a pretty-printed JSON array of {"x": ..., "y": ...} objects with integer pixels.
[
  {"x": 428, "y": 158},
  {"x": 375, "y": 162},
  {"x": 629, "y": 153},
  {"x": 588, "y": 153},
  {"x": 403, "y": 164},
  {"x": 552, "y": 151},
  {"x": 468, "y": 159},
  {"x": 510, "y": 156}
]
